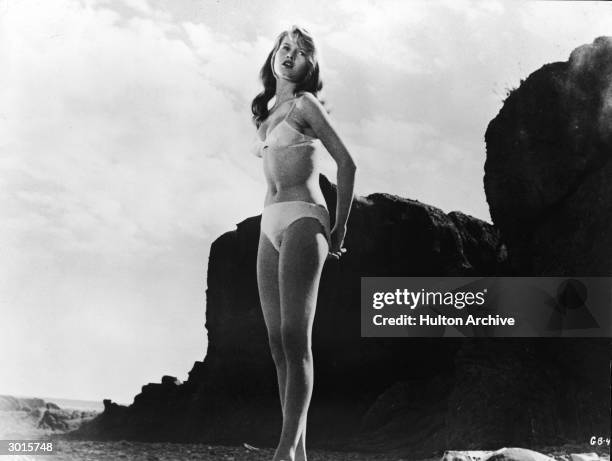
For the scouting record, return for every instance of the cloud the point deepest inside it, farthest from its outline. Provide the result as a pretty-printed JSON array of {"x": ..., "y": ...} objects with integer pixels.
[
  {"x": 566, "y": 25},
  {"x": 380, "y": 34},
  {"x": 99, "y": 116},
  {"x": 119, "y": 164}
]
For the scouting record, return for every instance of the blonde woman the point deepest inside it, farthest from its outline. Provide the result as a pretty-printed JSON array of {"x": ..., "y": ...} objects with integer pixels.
[{"x": 295, "y": 238}]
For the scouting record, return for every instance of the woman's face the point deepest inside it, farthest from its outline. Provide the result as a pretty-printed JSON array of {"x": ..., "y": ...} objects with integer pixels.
[{"x": 290, "y": 61}]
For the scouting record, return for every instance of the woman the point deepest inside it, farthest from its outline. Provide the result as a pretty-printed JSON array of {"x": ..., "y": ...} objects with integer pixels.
[{"x": 295, "y": 237}]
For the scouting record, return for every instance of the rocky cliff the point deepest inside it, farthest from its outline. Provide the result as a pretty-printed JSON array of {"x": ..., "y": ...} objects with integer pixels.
[
  {"x": 548, "y": 173},
  {"x": 421, "y": 395}
]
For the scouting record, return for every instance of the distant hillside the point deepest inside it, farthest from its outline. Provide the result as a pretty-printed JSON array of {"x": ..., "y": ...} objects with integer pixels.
[
  {"x": 17, "y": 402},
  {"x": 33, "y": 417}
]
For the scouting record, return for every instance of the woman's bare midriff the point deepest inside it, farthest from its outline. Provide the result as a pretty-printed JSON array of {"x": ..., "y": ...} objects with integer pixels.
[{"x": 292, "y": 174}]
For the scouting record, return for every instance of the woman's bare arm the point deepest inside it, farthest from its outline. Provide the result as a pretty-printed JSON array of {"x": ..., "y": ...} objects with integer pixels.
[{"x": 316, "y": 116}]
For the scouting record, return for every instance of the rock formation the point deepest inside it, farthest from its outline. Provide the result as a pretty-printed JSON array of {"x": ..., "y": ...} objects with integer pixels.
[
  {"x": 10, "y": 403},
  {"x": 548, "y": 173}
]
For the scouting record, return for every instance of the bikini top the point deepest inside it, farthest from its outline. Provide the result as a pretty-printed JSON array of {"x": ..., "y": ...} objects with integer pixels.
[{"x": 283, "y": 135}]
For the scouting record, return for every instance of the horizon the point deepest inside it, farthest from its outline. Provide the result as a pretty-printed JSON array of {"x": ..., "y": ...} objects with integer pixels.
[{"x": 126, "y": 134}]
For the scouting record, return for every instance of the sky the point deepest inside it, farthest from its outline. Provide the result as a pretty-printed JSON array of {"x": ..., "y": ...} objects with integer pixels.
[{"x": 125, "y": 134}]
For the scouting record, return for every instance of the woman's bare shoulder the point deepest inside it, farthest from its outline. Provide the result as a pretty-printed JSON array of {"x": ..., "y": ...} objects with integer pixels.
[
  {"x": 306, "y": 97},
  {"x": 309, "y": 105}
]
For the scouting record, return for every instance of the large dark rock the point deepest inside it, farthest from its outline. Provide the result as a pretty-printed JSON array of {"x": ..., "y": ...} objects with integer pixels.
[
  {"x": 548, "y": 174},
  {"x": 528, "y": 392}
]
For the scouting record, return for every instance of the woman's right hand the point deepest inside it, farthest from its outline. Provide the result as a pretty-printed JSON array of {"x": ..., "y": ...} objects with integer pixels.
[{"x": 337, "y": 239}]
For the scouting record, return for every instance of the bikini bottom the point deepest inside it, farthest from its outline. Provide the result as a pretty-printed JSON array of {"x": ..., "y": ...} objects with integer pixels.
[{"x": 276, "y": 217}]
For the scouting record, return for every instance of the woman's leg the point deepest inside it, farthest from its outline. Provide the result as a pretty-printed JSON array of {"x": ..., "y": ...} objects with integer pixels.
[
  {"x": 301, "y": 260},
  {"x": 267, "y": 282}
]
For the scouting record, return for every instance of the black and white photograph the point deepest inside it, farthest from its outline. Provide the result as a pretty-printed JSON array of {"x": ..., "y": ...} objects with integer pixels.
[{"x": 283, "y": 230}]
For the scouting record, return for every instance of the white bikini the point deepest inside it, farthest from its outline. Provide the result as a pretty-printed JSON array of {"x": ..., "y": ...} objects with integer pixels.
[{"x": 277, "y": 217}]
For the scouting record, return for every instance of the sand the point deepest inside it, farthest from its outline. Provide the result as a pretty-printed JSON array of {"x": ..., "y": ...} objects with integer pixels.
[
  {"x": 143, "y": 451},
  {"x": 19, "y": 425}
]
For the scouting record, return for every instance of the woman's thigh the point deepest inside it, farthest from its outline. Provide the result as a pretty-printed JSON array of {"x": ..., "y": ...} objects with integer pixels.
[
  {"x": 303, "y": 252},
  {"x": 267, "y": 282}
]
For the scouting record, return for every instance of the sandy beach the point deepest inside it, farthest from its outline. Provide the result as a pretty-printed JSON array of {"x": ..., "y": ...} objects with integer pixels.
[
  {"x": 144, "y": 451},
  {"x": 20, "y": 425},
  {"x": 23, "y": 425}
]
